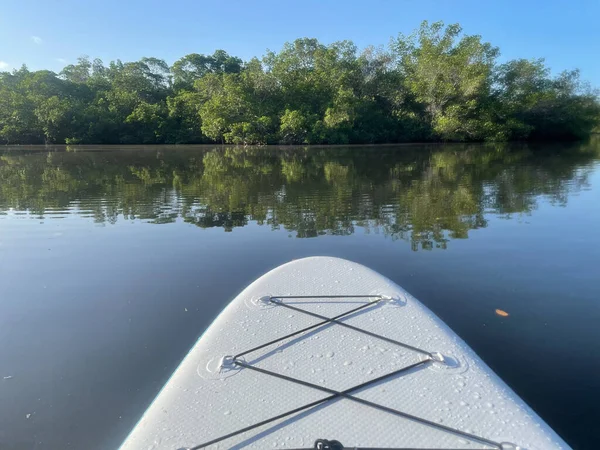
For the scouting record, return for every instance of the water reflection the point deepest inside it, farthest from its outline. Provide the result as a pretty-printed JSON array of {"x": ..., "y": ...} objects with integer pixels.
[{"x": 425, "y": 194}]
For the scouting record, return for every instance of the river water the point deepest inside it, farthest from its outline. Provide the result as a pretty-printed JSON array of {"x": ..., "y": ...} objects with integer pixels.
[{"x": 113, "y": 260}]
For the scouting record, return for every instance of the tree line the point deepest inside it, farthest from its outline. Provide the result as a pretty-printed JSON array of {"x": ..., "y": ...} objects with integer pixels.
[{"x": 436, "y": 84}]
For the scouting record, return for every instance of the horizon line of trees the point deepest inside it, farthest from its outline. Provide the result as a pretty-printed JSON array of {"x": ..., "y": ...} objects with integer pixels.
[{"x": 436, "y": 84}]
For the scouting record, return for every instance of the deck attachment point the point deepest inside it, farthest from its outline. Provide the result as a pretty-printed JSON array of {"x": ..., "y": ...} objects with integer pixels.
[
  {"x": 446, "y": 362},
  {"x": 217, "y": 367},
  {"x": 438, "y": 357},
  {"x": 509, "y": 446},
  {"x": 227, "y": 363},
  {"x": 324, "y": 444},
  {"x": 259, "y": 301},
  {"x": 395, "y": 299}
]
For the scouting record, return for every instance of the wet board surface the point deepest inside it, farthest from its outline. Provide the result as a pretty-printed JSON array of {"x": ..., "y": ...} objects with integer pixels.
[{"x": 429, "y": 381}]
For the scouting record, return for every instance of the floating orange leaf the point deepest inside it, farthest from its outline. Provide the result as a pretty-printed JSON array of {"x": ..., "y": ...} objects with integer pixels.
[{"x": 501, "y": 313}]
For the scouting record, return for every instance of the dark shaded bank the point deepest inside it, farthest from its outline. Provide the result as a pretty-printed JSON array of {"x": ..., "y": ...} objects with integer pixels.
[{"x": 434, "y": 85}]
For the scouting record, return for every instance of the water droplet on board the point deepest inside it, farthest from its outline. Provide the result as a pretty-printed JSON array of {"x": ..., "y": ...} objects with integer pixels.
[
  {"x": 329, "y": 354},
  {"x": 347, "y": 363},
  {"x": 227, "y": 413}
]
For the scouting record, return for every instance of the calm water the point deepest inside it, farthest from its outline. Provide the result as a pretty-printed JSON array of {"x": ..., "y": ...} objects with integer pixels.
[{"x": 114, "y": 260}]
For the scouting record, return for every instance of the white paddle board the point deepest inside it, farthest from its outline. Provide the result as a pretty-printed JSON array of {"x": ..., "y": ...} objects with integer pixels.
[{"x": 275, "y": 371}]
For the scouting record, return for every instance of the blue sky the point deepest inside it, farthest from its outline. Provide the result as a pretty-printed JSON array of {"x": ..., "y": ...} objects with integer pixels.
[{"x": 50, "y": 33}]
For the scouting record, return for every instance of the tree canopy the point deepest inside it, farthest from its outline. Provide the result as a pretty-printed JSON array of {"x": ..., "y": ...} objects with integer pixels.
[{"x": 436, "y": 84}]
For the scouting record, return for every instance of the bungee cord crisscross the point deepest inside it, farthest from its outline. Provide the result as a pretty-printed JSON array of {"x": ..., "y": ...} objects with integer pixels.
[{"x": 429, "y": 358}]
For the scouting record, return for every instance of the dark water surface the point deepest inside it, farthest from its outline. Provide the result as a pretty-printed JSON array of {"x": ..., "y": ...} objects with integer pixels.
[{"x": 114, "y": 260}]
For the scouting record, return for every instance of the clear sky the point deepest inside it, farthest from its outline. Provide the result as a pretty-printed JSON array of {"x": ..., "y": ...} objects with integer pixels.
[{"x": 47, "y": 34}]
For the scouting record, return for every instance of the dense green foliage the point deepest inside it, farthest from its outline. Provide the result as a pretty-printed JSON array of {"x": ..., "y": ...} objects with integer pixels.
[
  {"x": 426, "y": 194},
  {"x": 436, "y": 84}
]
